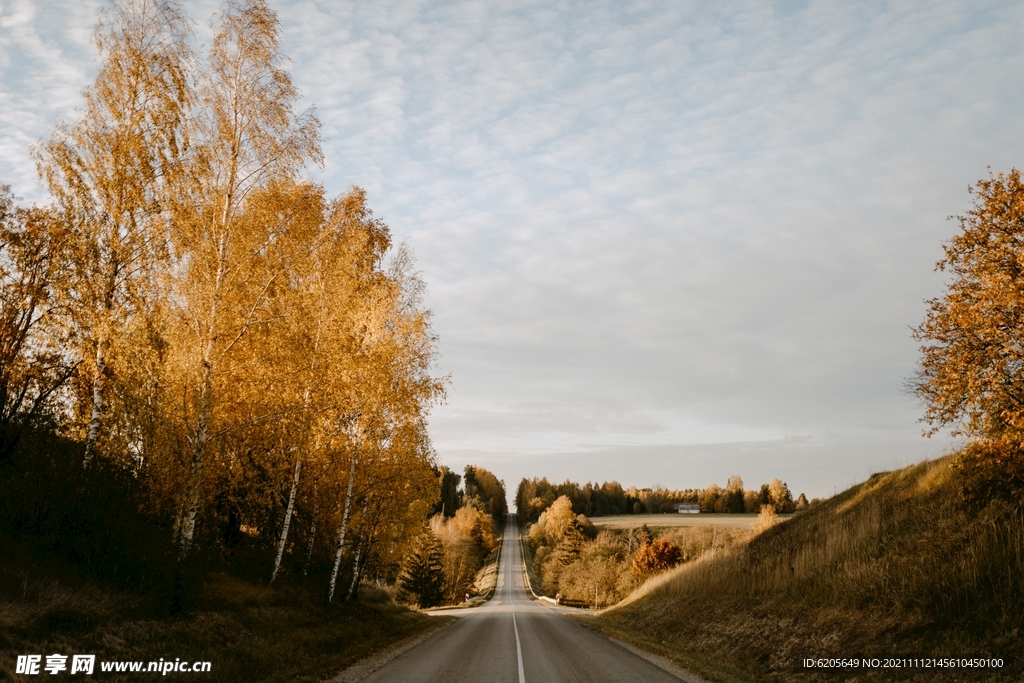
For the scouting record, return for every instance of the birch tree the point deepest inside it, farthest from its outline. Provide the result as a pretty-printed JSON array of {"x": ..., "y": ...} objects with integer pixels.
[
  {"x": 332, "y": 285},
  {"x": 250, "y": 140},
  {"x": 242, "y": 347},
  {"x": 394, "y": 403},
  {"x": 400, "y": 497},
  {"x": 109, "y": 174}
]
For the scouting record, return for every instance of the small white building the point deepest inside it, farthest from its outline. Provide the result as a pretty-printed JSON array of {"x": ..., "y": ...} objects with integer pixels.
[{"x": 687, "y": 508}]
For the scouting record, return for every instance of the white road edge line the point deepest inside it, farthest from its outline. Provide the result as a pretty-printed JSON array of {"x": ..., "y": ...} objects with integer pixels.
[{"x": 519, "y": 650}]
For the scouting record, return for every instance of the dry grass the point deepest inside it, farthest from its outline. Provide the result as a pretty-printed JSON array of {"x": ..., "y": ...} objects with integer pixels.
[
  {"x": 893, "y": 567},
  {"x": 247, "y": 631},
  {"x": 697, "y": 541},
  {"x": 487, "y": 578}
]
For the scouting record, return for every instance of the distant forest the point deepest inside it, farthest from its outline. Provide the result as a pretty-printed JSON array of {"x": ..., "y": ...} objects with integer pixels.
[{"x": 533, "y": 496}]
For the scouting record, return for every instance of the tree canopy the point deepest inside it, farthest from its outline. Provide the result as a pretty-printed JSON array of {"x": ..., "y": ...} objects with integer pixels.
[
  {"x": 972, "y": 354},
  {"x": 971, "y": 375}
]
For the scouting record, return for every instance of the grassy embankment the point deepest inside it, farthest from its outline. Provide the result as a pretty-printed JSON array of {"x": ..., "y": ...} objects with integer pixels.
[
  {"x": 894, "y": 567},
  {"x": 487, "y": 578},
  {"x": 247, "y": 631}
]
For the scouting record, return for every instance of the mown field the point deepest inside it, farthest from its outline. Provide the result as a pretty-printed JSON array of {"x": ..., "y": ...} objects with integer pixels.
[{"x": 729, "y": 521}]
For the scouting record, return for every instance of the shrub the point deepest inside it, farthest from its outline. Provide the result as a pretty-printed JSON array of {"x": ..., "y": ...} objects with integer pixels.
[
  {"x": 602, "y": 562},
  {"x": 766, "y": 520},
  {"x": 990, "y": 470},
  {"x": 466, "y": 538},
  {"x": 653, "y": 558}
]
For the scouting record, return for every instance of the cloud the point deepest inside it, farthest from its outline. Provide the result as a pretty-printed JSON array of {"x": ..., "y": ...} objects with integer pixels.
[{"x": 664, "y": 221}]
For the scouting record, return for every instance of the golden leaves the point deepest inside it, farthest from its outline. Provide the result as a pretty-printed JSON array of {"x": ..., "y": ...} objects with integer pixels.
[
  {"x": 229, "y": 319},
  {"x": 972, "y": 355}
]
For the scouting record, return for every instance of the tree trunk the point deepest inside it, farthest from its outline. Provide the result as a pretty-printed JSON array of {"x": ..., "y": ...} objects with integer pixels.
[
  {"x": 97, "y": 406},
  {"x": 199, "y": 442},
  {"x": 309, "y": 548},
  {"x": 188, "y": 524},
  {"x": 205, "y": 404},
  {"x": 295, "y": 486},
  {"x": 355, "y": 572},
  {"x": 344, "y": 528},
  {"x": 287, "y": 517}
]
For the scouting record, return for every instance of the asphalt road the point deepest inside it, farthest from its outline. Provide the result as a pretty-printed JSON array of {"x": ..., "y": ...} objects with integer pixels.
[{"x": 513, "y": 639}]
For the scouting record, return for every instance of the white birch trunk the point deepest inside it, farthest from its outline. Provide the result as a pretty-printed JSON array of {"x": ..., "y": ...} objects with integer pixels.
[
  {"x": 188, "y": 525},
  {"x": 287, "y": 517},
  {"x": 355, "y": 573},
  {"x": 344, "y": 528},
  {"x": 295, "y": 489},
  {"x": 206, "y": 397},
  {"x": 97, "y": 407}
]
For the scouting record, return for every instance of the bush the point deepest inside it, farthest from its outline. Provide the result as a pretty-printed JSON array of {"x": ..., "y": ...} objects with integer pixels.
[
  {"x": 602, "y": 562},
  {"x": 467, "y": 538},
  {"x": 460, "y": 564},
  {"x": 990, "y": 470},
  {"x": 766, "y": 520},
  {"x": 654, "y": 558}
]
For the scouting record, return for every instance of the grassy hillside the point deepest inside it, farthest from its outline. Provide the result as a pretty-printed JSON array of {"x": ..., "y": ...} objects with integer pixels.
[
  {"x": 85, "y": 568},
  {"x": 246, "y": 631},
  {"x": 894, "y": 567}
]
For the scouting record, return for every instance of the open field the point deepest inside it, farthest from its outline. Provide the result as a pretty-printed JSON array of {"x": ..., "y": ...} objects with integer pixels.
[{"x": 732, "y": 521}]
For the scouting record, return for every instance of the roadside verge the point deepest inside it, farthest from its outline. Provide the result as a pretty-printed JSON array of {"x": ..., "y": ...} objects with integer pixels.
[
  {"x": 683, "y": 665},
  {"x": 365, "y": 667},
  {"x": 525, "y": 557}
]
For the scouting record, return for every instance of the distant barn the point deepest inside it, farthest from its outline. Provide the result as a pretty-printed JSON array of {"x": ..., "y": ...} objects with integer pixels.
[{"x": 687, "y": 508}]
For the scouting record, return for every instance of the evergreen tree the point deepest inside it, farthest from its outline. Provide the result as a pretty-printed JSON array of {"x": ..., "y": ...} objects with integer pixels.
[
  {"x": 421, "y": 580},
  {"x": 570, "y": 548}
]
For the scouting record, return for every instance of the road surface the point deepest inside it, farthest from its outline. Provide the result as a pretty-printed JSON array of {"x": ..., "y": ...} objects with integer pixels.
[{"x": 513, "y": 639}]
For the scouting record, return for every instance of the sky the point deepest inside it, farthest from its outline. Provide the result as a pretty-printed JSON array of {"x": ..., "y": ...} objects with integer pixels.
[{"x": 664, "y": 242}]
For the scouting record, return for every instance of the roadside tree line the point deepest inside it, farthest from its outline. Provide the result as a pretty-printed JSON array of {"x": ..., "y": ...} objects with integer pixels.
[
  {"x": 444, "y": 563},
  {"x": 202, "y": 333}
]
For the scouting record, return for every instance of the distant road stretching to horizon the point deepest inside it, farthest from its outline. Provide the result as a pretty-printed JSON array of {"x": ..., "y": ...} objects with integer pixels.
[{"x": 513, "y": 639}]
